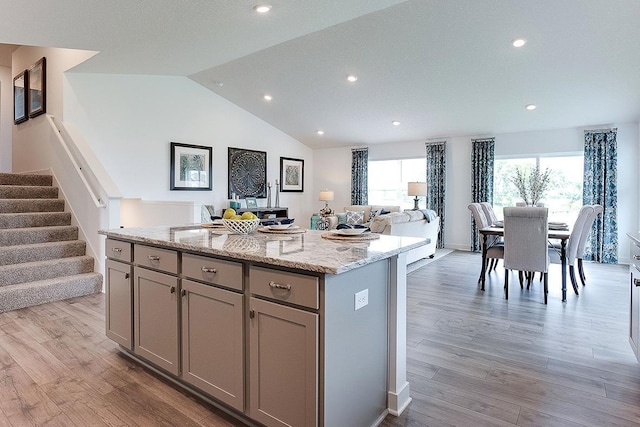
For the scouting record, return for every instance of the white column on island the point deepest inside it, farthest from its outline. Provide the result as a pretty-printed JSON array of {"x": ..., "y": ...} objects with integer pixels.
[{"x": 398, "y": 394}]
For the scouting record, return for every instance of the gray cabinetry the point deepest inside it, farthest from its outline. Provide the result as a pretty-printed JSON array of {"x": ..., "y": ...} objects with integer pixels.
[
  {"x": 212, "y": 341},
  {"x": 634, "y": 317},
  {"x": 283, "y": 365},
  {"x": 118, "y": 286},
  {"x": 283, "y": 342},
  {"x": 155, "y": 309}
]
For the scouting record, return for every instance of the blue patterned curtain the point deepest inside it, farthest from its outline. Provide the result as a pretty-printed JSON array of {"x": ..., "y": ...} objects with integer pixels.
[
  {"x": 481, "y": 179},
  {"x": 436, "y": 177},
  {"x": 359, "y": 176},
  {"x": 601, "y": 187}
]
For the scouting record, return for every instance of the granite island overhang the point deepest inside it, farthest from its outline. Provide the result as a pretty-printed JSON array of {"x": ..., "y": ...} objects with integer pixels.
[{"x": 358, "y": 373}]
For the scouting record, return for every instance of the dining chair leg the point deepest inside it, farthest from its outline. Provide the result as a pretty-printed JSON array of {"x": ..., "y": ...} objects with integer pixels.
[
  {"x": 574, "y": 283},
  {"x": 506, "y": 284},
  {"x": 520, "y": 277},
  {"x": 546, "y": 287},
  {"x": 495, "y": 264},
  {"x": 583, "y": 279}
]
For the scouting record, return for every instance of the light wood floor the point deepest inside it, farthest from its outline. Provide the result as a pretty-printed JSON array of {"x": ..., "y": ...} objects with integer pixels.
[{"x": 474, "y": 359}]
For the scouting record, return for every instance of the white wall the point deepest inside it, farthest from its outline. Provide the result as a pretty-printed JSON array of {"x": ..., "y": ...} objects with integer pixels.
[
  {"x": 6, "y": 118},
  {"x": 333, "y": 169},
  {"x": 130, "y": 120}
]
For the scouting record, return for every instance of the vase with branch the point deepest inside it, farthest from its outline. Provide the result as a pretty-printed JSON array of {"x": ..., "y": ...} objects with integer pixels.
[{"x": 532, "y": 185}]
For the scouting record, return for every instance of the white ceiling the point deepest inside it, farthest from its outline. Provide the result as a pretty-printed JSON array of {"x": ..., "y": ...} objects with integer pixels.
[{"x": 442, "y": 68}]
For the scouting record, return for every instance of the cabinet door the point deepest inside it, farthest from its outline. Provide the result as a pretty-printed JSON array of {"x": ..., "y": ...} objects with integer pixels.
[
  {"x": 213, "y": 341},
  {"x": 118, "y": 310},
  {"x": 634, "y": 327},
  {"x": 283, "y": 365},
  {"x": 155, "y": 310}
]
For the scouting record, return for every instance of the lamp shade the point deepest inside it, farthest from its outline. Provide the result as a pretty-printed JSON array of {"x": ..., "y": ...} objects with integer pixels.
[
  {"x": 326, "y": 195},
  {"x": 417, "y": 189}
]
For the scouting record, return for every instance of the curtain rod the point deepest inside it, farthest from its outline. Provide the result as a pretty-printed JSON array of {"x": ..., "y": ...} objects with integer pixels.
[
  {"x": 435, "y": 142},
  {"x": 493, "y": 138},
  {"x": 614, "y": 130}
]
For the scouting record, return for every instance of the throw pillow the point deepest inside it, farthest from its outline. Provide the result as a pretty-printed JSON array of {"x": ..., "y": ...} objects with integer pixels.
[
  {"x": 342, "y": 218},
  {"x": 375, "y": 214},
  {"x": 323, "y": 224},
  {"x": 355, "y": 217}
]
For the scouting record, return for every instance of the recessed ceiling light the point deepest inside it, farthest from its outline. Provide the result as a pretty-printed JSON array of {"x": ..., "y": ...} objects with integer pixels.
[
  {"x": 530, "y": 107},
  {"x": 262, "y": 8},
  {"x": 395, "y": 123},
  {"x": 352, "y": 78},
  {"x": 268, "y": 97},
  {"x": 518, "y": 42},
  {"x": 320, "y": 132}
]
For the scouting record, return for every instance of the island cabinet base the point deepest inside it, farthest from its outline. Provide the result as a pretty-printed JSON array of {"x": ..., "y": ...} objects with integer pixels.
[{"x": 269, "y": 345}]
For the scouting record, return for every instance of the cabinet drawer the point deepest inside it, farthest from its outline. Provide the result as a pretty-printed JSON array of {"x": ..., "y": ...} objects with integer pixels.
[
  {"x": 159, "y": 259},
  {"x": 284, "y": 286},
  {"x": 116, "y": 249},
  {"x": 214, "y": 271}
]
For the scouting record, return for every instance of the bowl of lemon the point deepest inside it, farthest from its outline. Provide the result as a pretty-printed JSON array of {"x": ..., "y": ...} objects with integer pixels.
[{"x": 240, "y": 224}]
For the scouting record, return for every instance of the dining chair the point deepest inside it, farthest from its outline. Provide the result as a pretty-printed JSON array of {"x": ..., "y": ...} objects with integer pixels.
[
  {"x": 495, "y": 249},
  {"x": 575, "y": 238},
  {"x": 586, "y": 229},
  {"x": 488, "y": 212},
  {"x": 525, "y": 243}
]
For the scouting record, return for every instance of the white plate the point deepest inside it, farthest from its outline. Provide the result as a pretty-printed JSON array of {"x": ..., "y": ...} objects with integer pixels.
[
  {"x": 279, "y": 226},
  {"x": 351, "y": 231}
]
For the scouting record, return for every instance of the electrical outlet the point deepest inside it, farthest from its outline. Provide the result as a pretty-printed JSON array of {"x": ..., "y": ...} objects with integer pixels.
[{"x": 362, "y": 299}]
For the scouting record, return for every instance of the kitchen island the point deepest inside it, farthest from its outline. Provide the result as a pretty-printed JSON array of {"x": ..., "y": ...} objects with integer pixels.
[{"x": 279, "y": 329}]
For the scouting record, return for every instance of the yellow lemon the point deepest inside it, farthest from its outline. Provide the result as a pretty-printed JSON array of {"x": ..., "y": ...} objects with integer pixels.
[
  {"x": 248, "y": 215},
  {"x": 236, "y": 217},
  {"x": 228, "y": 213}
]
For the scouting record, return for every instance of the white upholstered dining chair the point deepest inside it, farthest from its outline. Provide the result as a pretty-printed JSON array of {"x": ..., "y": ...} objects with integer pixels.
[
  {"x": 586, "y": 229},
  {"x": 495, "y": 249},
  {"x": 525, "y": 243}
]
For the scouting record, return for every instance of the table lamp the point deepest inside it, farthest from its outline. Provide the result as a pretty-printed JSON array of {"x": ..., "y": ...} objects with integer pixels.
[
  {"x": 416, "y": 189},
  {"x": 326, "y": 196}
]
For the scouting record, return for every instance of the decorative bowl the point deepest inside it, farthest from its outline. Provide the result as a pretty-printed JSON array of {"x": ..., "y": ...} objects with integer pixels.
[
  {"x": 279, "y": 226},
  {"x": 241, "y": 226}
]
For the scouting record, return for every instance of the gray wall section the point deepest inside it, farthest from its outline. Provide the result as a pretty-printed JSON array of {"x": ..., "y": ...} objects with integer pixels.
[{"x": 355, "y": 347}]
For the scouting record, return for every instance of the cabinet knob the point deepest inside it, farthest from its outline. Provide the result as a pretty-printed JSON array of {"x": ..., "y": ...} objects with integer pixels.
[
  {"x": 275, "y": 285},
  {"x": 153, "y": 258},
  {"x": 209, "y": 270},
  {"x": 252, "y": 314},
  {"x": 636, "y": 257},
  {"x": 172, "y": 289},
  {"x": 183, "y": 292},
  {"x": 636, "y": 282},
  {"x": 126, "y": 275}
]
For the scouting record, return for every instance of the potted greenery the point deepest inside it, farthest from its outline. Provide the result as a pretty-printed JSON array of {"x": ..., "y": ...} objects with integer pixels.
[{"x": 531, "y": 185}]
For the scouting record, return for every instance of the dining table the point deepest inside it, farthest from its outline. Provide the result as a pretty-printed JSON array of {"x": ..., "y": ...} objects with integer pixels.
[{"x": 560, "y": 234}]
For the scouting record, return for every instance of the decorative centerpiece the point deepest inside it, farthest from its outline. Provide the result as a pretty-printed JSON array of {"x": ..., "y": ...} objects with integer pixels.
[
  {"x": 531, "y": 186},
  {"x": 241, "y": 224}
]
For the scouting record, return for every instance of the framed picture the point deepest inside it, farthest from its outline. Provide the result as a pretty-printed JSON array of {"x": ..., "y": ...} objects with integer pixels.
[
  {"x": 38, "y": 88},
  {"x": 252, "y": 202},
  {"x": 191, "y": 167},
  {"x": 291, "y": 174},
  {"x": 20, "y": 88},
  {"x": 247, "y": 173}
]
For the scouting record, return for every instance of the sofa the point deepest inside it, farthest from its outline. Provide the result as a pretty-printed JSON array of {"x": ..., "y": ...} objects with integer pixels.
[{"x": 391, "y": 221}]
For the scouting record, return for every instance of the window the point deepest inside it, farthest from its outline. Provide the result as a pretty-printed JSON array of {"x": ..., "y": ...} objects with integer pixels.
[
  {"x": 388, "y": 181},
  {"x": 564, "y": 193}
]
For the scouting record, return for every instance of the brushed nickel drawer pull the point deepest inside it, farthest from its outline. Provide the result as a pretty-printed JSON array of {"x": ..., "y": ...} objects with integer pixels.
[
  {"x": 275, "y": 285},
  {"x": 153, "y": 258},
  {"x": 636, "y": 282},
  {"x": 209, "y": 270},
  {"x": 116, "y": 250},
  {"x": 636, "y": 257}
]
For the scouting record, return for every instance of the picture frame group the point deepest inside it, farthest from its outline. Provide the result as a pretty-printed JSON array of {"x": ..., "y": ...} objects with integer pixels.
[{"x": 30, "y": 92}]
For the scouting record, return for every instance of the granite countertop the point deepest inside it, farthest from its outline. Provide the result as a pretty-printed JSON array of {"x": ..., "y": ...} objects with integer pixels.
[{"x": 306, "y": 251}]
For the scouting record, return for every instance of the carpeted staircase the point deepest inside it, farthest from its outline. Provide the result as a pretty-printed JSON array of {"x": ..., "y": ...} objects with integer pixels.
[{"x": 41, "y": 258}]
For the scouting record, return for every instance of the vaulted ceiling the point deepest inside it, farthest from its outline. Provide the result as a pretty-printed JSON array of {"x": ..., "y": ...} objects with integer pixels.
[{"x": 440, "y": 68}]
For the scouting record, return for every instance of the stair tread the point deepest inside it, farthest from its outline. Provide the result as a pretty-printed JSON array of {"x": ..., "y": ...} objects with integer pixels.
[
  {"x": 55, "y": 261},
  {"x": 60, "y": 279}
]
